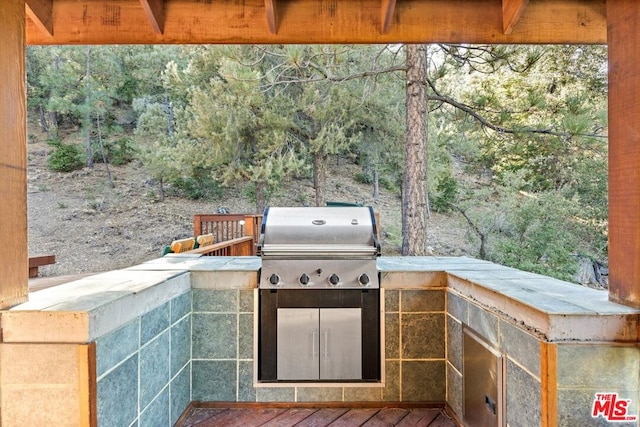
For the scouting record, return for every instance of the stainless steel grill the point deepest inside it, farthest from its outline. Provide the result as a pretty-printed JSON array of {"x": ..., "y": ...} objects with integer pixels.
[
  {"x": 319, "y": 295},
  {"x": 319, "y": 248}
]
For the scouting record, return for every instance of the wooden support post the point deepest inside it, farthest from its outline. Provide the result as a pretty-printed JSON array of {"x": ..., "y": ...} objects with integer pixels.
[
  {"x": 249, "y": 226},
  {"x": 549, "y": 383},
  {"x": 197, "y": 225},
  {"x": 623, "y": 23},
  {"x": 13, "y": 154}
]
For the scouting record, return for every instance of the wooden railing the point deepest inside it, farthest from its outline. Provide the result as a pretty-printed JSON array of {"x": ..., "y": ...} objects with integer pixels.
[
  {"x": 226, "y": 227},
  {"x": 241, "y": 246},
  {"x": 38, "y": 261},
  {"x": 229, "y": 228}
]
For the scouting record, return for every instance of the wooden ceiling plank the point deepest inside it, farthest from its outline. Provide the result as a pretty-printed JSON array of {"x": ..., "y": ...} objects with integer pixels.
[
  {"x": 511, "y": 13},
  {"x": 270, "y": 6},
  {"x": 154, "y": 9},
  {"x": 388, "y": 7},
  {"x": 41, "y": 13}
]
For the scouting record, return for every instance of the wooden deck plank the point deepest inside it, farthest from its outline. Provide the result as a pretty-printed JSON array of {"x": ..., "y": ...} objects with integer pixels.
[
  {"x": 242, "y": 417},
  {"x": 441, "y": 421},
  {"x": 420, "y": 417},
  {"x": 387, "y": 417},
  {"x": 283, "y": 415},
  {"x": 355, "y": 417},
  {"x": 291, "y": 417},
  {"x": 198, "y": 415},
  {"x": 323, "y": 417}
]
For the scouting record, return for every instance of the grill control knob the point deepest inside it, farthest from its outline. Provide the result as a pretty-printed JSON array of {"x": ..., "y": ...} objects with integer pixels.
[
  {"x": 364, "y": 279},
  {"x": 274, "y": 279},
  {"x": 334, "y": 279},
  {"x": 304, "y": 279}
]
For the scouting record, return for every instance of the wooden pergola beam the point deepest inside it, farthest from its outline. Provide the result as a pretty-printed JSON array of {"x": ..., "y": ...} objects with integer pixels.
[
  {"x": 270, "y": 6},
  {"x": 154, "y": 9},
  {"x": 511, "y": 13},
  {"x": 41, "y": 13},
  {"x": 388, "y": 7},
  {"x": 321, "y": 21}
]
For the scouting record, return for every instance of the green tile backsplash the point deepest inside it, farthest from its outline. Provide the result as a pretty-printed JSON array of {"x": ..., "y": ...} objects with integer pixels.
[
  {"x": 200, "y": 347},
  {"x": 143, "y": 367}
]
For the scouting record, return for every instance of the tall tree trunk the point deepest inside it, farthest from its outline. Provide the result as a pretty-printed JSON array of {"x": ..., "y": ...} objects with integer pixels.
[
  {"x": 102, "y": 152},
  {"x": 376, "y": 184},
  {"x": 52, "y": 123},
  {"x": 414, "y": 192},
  {"x": 170, "y": 115},
  {"x": 44, "y": 126},
  {"x": 52, "y": 116},
  {"x": 320, "y": 176},
  {"x": 261, "y": 201},
  {"x": 161, "y": 189},
  {"x": 88, "y": 125}
]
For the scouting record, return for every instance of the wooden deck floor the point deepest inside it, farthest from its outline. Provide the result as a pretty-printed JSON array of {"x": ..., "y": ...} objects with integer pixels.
[{"x": 315, "y": 417}]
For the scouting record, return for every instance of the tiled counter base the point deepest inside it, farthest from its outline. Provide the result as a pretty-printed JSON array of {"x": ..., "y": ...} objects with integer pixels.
[
  {"x": 561, "y": 343},
  {"x": 110, "y": 349},
  {"x": 135, "y": 346}
]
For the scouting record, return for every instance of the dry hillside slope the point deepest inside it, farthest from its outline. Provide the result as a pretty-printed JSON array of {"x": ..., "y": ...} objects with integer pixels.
[{"x": 91, "y": 227}]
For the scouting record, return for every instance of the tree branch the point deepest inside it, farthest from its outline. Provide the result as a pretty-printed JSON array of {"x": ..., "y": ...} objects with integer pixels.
[
  {"x": 500, "y": 129},
  {"x": 336, "y": 79},
  {"x": 482, "y": 252}
]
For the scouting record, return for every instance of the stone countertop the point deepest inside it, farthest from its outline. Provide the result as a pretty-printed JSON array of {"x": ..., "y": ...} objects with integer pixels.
[
  {"x": 84, "y": 309},
  {"x": 98, "y": 303},
  {"x": 179, "y": 262},
  {"x": 558, "y": 310},
  {"x": 545, "y": 293}
]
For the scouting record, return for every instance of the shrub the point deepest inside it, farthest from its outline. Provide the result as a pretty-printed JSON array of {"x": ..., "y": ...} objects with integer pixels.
[
  {"x": 446, "y": 192},
  {"x": 118, "y": 152},
  {"x": 387, "y": 184},
  {"x": 196, "y": 188},
  {"x": 64, "y": 157},
  {"x": 249, "y": 192},
  {"x": 363, "y": 178}
]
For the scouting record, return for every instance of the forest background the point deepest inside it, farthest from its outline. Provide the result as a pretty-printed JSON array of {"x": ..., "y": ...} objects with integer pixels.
[{"x": 126, "y": 143}]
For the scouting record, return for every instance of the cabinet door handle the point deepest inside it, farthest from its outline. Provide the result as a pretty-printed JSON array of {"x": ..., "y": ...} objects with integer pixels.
[
  {"x": 326, "y": 344},
  {"x": 314, "y": 340}
]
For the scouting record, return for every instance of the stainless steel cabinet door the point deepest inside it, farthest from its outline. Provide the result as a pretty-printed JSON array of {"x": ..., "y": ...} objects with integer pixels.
[
  {"x": 483, "y": 383},
  {"x": 297, "y": 344},
  {"x": 340, "y": 344}
]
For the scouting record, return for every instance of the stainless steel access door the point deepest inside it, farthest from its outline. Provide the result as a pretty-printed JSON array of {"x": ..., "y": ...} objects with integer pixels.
[
  {"x": 340, "y": 344},
  {"x": 483, "y": 382},
  {"x": 298, "y": 352},
  {"x": 314, "y": 344}
]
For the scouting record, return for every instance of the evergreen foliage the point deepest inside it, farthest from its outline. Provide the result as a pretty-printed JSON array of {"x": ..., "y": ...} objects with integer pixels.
[
  {"x": 516, "y": 134},
  {"x": 120, "y": 151},
  {"x": 64, "y": 157}
]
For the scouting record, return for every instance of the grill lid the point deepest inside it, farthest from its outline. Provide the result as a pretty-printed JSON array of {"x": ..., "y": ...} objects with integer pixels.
[
  {"x": 310, "y": 232},
  {"x": 328, "y": 247}
]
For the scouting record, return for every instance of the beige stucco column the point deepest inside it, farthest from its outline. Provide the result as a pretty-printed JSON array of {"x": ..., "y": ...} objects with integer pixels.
[
  {"x": 623, "y": 23},
  {"x": 13, "y": 156}
]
